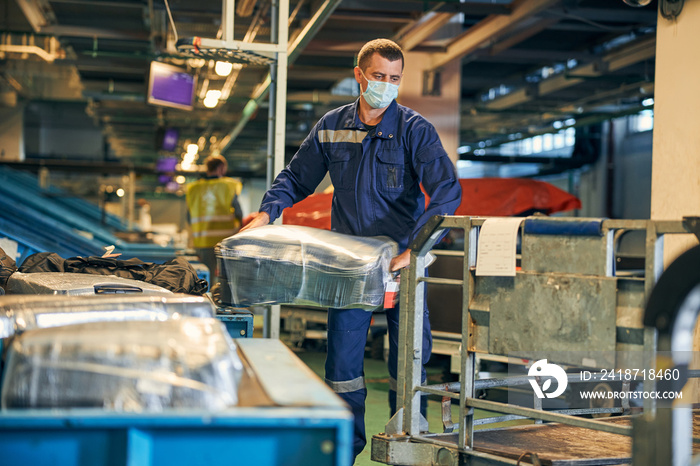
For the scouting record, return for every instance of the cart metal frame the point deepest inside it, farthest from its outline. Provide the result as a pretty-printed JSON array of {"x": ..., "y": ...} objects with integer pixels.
[{"x": 586, "y": 252}]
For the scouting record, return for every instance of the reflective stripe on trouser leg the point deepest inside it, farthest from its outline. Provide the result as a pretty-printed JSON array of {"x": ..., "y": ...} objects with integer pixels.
[
  {"x": 392, "y": 320},
  {"x": 347, "y": 336}
]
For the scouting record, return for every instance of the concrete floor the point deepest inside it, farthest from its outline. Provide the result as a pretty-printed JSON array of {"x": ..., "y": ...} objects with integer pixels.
[
  {"x": 377, "y": 413},
  {"x": 377, "y": 381}
]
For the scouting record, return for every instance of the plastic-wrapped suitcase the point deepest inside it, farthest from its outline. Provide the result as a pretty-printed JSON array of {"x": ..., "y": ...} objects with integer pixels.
[
  {"x": 285, "y": 264},
  {"x": 19, "y": 313},
  {"x": 129, "y": 366},
  {"x": 76, "y": 284}
]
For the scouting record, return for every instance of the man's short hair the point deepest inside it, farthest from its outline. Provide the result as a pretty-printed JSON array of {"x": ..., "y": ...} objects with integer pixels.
[
  {"x": 384, "y": 47},
  {"x": 213, "y": 162}
]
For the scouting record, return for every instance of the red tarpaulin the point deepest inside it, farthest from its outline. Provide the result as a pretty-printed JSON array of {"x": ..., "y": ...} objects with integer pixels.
[{"x": 485, "y": 197}]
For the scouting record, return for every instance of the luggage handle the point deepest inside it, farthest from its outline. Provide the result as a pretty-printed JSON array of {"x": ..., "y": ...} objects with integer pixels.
[{"x": 116, "y": 288}]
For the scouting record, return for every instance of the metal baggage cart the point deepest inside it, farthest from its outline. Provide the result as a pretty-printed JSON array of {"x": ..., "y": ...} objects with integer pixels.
[{"x": 567, "y": 265}]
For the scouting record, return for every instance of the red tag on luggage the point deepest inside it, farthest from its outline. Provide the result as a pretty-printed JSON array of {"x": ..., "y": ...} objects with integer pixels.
[{"x": 391, "y": 294}]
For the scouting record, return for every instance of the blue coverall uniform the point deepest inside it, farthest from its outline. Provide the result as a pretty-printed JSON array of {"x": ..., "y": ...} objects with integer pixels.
[{"x": 376, "y": 174}]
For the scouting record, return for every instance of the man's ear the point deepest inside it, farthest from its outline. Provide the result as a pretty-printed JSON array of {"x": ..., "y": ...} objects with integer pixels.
[{"x": 358, "y": 75}]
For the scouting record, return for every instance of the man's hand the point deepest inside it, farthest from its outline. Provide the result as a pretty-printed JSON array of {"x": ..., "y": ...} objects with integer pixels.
[
  {"x": 400, "y": 261},
  {"x": 257, "y": 219}
]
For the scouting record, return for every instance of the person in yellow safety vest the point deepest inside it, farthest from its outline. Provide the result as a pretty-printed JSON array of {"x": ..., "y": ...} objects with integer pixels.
[{"x": 213, "y": 210}]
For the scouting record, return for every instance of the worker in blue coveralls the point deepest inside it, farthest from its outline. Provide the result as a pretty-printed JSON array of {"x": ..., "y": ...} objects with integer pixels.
[{"x": 377, "y": 153}]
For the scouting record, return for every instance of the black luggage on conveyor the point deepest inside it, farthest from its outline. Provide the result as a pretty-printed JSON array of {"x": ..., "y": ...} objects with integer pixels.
[
  {"x": 130, "y": 366},
  {"x": 76, "y": 284},
  {"x": 285, "y": 264}
]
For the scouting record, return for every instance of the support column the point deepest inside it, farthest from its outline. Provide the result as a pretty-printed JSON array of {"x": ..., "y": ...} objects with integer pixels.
[
  {"x": 675, "y": 177},
  {"x": 441, "y": 110}
]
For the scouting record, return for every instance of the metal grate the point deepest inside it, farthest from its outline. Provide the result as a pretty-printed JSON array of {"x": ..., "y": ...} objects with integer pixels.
[{"x": 194, "y": 47}]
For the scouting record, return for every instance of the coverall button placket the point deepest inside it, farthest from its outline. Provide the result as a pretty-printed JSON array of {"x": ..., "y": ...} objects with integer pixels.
[{"x": 366, "y": 161}]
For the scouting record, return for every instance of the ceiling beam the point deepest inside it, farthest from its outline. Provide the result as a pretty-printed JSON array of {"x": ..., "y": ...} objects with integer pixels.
[
  {"x": 536, "y": 56},
  {"x": 425, "y": 27},
  {"x": 627, "y": 55},
  {"x": 39, "y": 13},
  {"x": 623, "y": 14},
  {"x": 359, "y": 16},
  {"x": 91, "y": 32},
  {"x": 105, "y": 3},
  {"x": 537, "y": 26},
  {"x": 475, "y": 8},
  {"x": 489, "y": 29}
]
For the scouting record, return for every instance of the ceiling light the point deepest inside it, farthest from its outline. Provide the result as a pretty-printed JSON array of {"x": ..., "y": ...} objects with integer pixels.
[
  {"x": 223, "y": 68},
  {"x": 120, "y": 192},
  {"x": 648, "y": 102},
  {"x": 196, "y": 62},
  {"x": 180, "y": 179},
  {"x": 192, "y": 148},
  {"x": 212, "y": 98}
]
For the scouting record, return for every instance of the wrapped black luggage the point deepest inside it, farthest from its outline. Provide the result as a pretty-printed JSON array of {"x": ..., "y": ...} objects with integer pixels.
[
  {"x": 285, "y": 264},
  {"x": 76, "y": 284},
  {"x": 124, "y": 366}
]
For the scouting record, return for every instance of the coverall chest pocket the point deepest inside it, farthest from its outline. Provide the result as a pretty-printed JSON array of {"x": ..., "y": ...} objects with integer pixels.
[
  {"x": 340, "y": 168},
  {"x": 391, "y": 170}
]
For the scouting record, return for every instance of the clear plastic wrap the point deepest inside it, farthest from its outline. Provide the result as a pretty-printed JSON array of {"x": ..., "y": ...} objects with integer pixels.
[
  {"x": 77, "y": 284},
  {"x": 124, "y": 366},
  {"x": 19, "y": 313},
  {"x": 285, "y": 264}
]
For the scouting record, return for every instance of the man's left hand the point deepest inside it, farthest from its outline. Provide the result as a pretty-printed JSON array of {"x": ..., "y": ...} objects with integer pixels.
[{"x": 400, "y": 261}]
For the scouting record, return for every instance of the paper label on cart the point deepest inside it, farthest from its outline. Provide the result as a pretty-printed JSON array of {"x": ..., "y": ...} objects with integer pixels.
[
  {"x": 496, "y": 248},
  {"x": 153, "y": 387}
]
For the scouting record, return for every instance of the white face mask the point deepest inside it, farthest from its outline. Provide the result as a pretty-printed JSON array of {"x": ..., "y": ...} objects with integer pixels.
[{"x": 379, "y": 94}]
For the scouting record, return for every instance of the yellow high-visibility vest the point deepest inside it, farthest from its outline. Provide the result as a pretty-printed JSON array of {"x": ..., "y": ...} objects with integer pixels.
[{"x": 211, "y": 214}]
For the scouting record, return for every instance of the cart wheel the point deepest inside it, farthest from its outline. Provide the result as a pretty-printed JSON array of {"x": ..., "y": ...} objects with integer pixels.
[{"x": 601, "y": 402}]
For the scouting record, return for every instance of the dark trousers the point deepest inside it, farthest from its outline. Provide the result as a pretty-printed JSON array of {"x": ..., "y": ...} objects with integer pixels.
[{"x": 347, "y": 337}]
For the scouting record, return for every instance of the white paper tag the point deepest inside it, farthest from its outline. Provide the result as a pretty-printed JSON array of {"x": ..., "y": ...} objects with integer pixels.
[{"x": 496, "y": 251}]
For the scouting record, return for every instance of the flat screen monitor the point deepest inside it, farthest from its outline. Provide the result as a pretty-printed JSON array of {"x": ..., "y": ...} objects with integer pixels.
[
  {"x": 166, "y": 164},
  {"x": 171, "y": 86},
  {"x": 167, "y": 139}
]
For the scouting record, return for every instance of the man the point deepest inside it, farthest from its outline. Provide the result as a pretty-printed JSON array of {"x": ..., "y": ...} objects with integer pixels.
[
  {"x": 377, "y": 153},
  {"x": 213, "y": 210}
]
